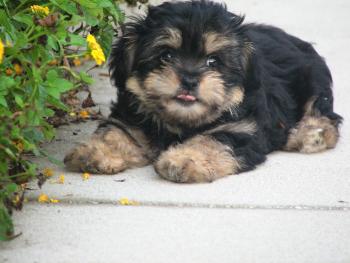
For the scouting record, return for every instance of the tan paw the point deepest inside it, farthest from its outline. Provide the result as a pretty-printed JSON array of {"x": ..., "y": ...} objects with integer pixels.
[
  {"x": 313, "y": 134},
  {"x": 200, "y": 159},
  {"x": 94, "y": 158}
]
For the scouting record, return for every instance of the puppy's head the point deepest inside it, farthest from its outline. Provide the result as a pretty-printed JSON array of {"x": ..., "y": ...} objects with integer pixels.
[{"x": 184, "y": 62}]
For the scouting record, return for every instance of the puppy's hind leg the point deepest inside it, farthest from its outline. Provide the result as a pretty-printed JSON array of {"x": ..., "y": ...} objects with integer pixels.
[
  {"x": 110, "y": 150},
  {"x": 315, "y": 132}
]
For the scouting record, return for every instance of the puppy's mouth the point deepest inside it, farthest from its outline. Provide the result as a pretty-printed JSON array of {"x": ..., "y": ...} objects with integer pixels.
[{"x": 185, "y": 97}]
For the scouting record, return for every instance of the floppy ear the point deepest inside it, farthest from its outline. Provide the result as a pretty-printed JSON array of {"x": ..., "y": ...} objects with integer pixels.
[{"x": 122, "y": 56}]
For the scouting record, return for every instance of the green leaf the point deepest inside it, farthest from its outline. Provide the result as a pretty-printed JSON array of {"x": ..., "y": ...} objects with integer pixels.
[
  {"x": 92, "y": 15},
  {"x": 19, "y": 100},
  {"x": 24, "y": 18},
  {"x": 68, "y": 6},
  {"x": 6, "y": 83},
  {"x": 57, "y": 86},
  {"x": 6, "y": 225},
  {"x": 11, "y": 188},
  {"x": 75, "y": 40},
  {"x": 86, "y": 78},
  {"x": 6, "y": 22},
  {"x": 52, "y": 43},
  {"x": 3, "y": 101},
  {"x": 57, "y": 103}
]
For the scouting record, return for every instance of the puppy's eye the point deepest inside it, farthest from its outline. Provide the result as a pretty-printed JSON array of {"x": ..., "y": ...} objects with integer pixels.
[
  {"x": 212, "y": 61},
  {"x": 167, "y": 56}
]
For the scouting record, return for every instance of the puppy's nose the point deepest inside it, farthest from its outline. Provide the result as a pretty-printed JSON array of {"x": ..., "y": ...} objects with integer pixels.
[{"x": 189, "y": 83}]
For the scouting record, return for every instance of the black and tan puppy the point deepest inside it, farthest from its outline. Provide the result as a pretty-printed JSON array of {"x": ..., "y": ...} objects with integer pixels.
[{"x": 202, "y": 96}]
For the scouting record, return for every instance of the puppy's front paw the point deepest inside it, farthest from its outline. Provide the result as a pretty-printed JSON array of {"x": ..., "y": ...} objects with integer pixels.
[
  {"x": 180, "y": 167},
  {"x": 94, "y": 158},
  {"x": 200, "y": 159}
]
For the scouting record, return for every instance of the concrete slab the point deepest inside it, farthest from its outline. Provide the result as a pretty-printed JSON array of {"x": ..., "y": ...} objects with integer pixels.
[{"x": 60, "y": 233}]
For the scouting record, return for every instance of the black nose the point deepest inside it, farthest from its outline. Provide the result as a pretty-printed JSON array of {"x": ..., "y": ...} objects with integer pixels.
[{"x": 189, "y": 83}]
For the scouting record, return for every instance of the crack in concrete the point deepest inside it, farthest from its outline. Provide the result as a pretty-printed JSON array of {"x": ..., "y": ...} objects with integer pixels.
[{"x": 164, "y": 204}]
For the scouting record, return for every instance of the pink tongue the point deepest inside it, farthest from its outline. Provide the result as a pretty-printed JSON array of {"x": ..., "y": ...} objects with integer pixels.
[{"x": 186, "y": 97}]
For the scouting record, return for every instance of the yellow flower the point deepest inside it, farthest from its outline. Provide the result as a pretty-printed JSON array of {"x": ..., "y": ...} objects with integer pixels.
[
  {"x": 84, "y": 114},
  {"x": 85, "y": 176},
  {"x": 54, "y": 201},
  {"x": 95, "y": 50},
  {"x": 76, "y": 62},
  {"x": 18, "y": 69},
  {"x": 98, "y": 56},
  {"x": 92, "y": 43},
  {"x": 2, "y": 51},
  {"x": 61, "y": 179},
  {"x": 126, "y": 201},
  {"x": 43, "y": 198},
  {"x": 73, "y": 114},
  {"x": 48, "y": 172},
  {"x": 39, "y": 10}
]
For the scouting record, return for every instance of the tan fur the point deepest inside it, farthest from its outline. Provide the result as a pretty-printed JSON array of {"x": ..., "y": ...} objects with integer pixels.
[
  {"x": 160, "y": 87},
  {"x": 214, "y": 42},
  {"x": 133, "y": 85},
  {"x": 168, "y": 37},
  {"x": 314, "y": 133},
  {"x": 247, "y": 51},
  {"x": 109, "y": 151},
  {"x": 243, "y": 126},
  {"x": 236, "y": 96},
  {"x": 163, "y": 83},
  {"x": 211, "y": 88},
  {"x": 200, "y": 159}
]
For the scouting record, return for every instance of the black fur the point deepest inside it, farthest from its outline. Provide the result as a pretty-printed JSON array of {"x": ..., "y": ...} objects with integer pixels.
[{"x": 282, "y": 73}]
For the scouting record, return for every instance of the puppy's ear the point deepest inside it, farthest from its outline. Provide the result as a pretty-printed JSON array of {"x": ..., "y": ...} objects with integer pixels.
[{"x": 122, "y": 56}]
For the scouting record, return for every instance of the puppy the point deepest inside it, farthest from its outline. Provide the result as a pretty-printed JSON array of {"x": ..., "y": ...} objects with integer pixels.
[{"x": 202, "y": 96}]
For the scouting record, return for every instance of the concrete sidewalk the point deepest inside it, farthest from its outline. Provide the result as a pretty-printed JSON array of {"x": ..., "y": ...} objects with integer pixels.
[{"x": 293, "y": 208}]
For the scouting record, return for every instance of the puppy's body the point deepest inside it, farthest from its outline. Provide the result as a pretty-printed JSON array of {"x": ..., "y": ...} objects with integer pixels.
[{"x": 211, "y": 97}]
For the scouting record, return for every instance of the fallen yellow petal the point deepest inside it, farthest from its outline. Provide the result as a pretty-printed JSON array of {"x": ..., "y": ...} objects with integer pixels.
[
  {"x": 76, "y": 62},
  {"x": 61, "y": 179},
  {"x": 16, "y": 200},
  {"x": 43, "y": 198},
  {"x": 54, "y": 201},
  {"x": 48, "y": 172},
  {"x": 84, "y": 114},
  {"x": 126, "y": 201},
  {"x": 85, "y": 176}
]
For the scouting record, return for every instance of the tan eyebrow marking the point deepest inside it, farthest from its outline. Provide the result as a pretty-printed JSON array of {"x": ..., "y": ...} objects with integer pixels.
[
  {"x": 214, "y": 42},
  {"x": 170, "y": 37}
]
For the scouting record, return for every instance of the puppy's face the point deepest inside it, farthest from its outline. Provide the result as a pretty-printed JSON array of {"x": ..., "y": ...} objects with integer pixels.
[{"x": 186, "y": 62}]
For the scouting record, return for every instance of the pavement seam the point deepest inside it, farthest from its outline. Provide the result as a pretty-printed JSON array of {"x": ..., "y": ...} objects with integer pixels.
[{"x": 198, "y": 205}]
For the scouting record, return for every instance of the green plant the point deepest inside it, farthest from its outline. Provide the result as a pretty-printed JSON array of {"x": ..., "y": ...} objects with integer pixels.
[{"x": 38, "y": 40}]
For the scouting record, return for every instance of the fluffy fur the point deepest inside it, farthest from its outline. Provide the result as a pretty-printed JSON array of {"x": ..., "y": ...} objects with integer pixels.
[{"x": 212, "y": 96}]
